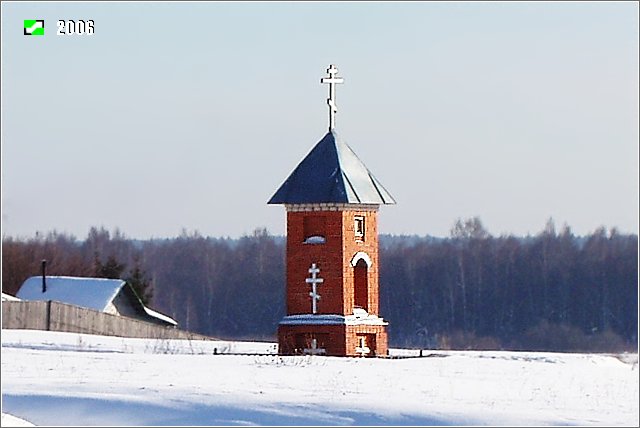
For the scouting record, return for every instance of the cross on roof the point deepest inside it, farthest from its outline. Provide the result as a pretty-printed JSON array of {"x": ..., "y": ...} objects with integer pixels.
[
  {"x": 314, "y": 281},
  {"x": 332, "y": 79}
]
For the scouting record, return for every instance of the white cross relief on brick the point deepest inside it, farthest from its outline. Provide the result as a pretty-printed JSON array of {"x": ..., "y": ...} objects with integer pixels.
[
  {"x": 314, "y": 350},
  {"x": 314, "y": 281}
]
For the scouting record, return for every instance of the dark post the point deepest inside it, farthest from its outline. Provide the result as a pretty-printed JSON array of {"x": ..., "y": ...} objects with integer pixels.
[
  {"x": 48, "y": 315},
  {"x": 44, "y": 276}
]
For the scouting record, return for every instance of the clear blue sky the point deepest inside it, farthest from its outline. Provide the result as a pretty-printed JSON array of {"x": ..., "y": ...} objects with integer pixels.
[{"x": 190, "y": 115}]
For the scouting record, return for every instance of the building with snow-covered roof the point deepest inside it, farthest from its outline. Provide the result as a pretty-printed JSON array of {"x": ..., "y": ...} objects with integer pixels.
[{"x": 112, "y": 296}]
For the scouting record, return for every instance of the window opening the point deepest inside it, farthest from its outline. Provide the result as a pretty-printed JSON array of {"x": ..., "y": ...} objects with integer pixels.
[{"x": 359, "y": 228}]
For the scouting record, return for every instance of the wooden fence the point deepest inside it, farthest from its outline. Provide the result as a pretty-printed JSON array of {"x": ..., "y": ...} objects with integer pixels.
[{"x": 56, "y": 316}]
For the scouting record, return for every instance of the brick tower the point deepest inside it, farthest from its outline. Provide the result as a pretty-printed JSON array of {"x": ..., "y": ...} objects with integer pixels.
[{"x": 332, "y": 203}]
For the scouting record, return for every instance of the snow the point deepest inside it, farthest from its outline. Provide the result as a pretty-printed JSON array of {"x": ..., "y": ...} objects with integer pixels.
[
  {"x": 52, "y": 378},
  {"x": 315, "y": 239},
  {"x": 92, "y": 293},
  {"x": 9, "y": 298},
  {"x": 332, "y": 319},
  {"x": 160, "y": 316},
  {"x": 12, "y": 421}
]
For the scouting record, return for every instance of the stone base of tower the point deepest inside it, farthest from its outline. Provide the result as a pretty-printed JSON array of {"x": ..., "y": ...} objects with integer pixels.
[{"x": 342, "y": 340}]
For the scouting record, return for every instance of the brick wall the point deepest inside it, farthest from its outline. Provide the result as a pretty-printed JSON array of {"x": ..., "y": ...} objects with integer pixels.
[
  {"x": 351, "y": 247},
  {"x": 380, "y": 333},
  {"x": 338, "y": 340},
  {"x": 333, "y": 338},
  {"x": 333, "y": 258},
  {"x": 327, "y": 257}
]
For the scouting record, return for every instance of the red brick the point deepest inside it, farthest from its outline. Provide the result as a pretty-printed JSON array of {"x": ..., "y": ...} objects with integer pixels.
[{"x": 337, "y": 292}]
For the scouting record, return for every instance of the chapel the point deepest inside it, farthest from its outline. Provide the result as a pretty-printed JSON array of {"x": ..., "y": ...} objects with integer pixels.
[{"x": 332, "y": 292}]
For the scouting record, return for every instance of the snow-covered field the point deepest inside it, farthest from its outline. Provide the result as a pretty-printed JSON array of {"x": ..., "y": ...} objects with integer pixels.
[{"x": 51, "y": 378}]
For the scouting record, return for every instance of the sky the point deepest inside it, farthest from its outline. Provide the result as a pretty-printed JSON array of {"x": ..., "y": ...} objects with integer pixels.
[{"x": 188, "y": 116}]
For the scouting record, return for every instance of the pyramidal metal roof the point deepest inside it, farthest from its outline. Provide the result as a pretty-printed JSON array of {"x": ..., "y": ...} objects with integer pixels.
[{"x": 331, "y": 173}]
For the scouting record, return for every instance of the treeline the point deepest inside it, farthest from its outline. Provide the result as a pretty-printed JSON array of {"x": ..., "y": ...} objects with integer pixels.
[
  {"x": 218, "y": 287},
  {"x": 551, "y": 291}
]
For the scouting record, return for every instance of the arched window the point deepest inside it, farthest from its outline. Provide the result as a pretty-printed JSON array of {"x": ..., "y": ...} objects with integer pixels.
[
  {"x": 361, "y": 263},
  {"x": 361, "y": 285},
  {"x": 314, "y": 229}
]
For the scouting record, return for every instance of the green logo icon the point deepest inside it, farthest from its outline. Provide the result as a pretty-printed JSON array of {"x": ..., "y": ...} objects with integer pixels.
[{"x": 34, "y": 27}]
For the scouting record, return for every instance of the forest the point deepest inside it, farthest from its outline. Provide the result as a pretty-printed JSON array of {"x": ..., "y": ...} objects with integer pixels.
[{"x": 552, "y": 291}]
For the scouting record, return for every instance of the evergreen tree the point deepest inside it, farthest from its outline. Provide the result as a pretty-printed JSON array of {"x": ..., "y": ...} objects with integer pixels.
[
  {"x": 138, "y": 280},
  {"x": 111, "y": 269}
]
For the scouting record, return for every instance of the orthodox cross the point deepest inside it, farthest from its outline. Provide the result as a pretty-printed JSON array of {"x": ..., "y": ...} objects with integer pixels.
[
  {"x": 362, "y": 349},
  {"x": 332, "y": 79},
  {"x": 314, "y": 350},
  {"x": 314, "y": 281}
]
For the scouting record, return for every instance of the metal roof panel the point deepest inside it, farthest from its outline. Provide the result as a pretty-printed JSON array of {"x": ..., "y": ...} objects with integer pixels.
[{"x": 331, "y": 173}]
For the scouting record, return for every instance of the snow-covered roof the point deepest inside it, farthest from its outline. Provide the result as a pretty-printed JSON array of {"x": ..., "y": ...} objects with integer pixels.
[
  {"x": 160, "y": 316},
  {"x": 9, "y": 298},
  {"x": 332, "y": 319},
  {"x": 92, "y": 293}
]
